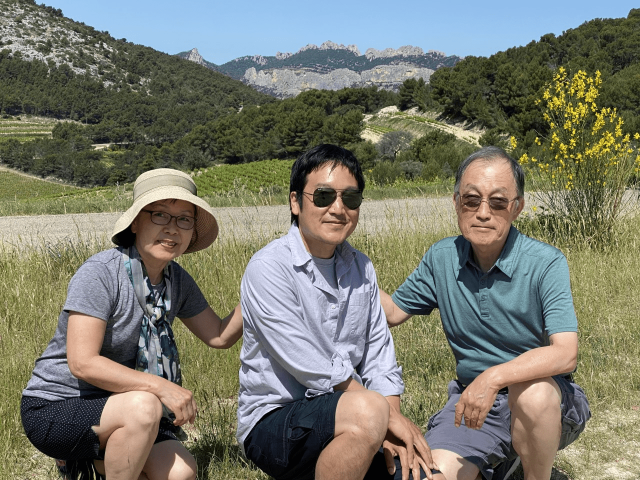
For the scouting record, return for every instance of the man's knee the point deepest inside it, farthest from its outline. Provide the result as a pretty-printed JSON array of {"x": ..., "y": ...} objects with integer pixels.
[
  {"x": 363, "y": 414},
  {"x": 184, "y": 469},
  {"x": 454, "y": 466},
  {"x": 535, "y": 398}
]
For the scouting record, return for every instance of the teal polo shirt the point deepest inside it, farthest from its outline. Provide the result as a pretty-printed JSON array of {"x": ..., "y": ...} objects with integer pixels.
[{"x": 491, "y": 318}]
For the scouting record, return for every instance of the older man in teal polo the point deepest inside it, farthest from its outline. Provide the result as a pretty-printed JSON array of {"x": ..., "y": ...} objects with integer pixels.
[{"x": 507, "y": 312}]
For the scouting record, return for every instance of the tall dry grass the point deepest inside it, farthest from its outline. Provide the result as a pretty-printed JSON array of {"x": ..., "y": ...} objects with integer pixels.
[{"x": 605, "y": 286}]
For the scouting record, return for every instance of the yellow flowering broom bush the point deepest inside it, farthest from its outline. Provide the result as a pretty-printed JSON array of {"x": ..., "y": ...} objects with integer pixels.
[{"x": 582, "y": 177}]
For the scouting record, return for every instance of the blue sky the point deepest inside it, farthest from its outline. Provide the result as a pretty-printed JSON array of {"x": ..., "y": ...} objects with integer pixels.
[{"x": 224, "y": 30}]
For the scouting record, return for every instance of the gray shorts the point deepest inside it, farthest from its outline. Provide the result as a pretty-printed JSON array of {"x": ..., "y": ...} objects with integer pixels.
[{"x": 490, "y": 446}]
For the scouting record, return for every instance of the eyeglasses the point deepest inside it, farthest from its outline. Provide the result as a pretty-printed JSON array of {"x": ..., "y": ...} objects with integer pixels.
[
  {"x": 185, "y": 222},
  {"x": 324, "y": 196},
  {"x": 472, "y": 202}
]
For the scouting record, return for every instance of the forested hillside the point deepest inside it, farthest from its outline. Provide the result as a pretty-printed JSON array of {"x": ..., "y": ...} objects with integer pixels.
[
  {"x": 500, "y": 91},
  {"x": 52, "y": 66},
  {"x": 157, "y": 110},
  {"x": 146, "y": 103}
]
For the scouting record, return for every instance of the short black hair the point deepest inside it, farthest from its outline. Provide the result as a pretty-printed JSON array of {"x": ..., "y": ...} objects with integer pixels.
[
  {"x": 490, "y": 154},
  {"x": 315, "y": 158}
]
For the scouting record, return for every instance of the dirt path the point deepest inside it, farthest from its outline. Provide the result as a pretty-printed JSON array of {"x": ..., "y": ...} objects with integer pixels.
[{"x": 235, "y": 222}]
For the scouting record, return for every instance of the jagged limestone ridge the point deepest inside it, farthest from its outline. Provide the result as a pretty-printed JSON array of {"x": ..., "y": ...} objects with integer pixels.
[{"x": 284, "y": 83}]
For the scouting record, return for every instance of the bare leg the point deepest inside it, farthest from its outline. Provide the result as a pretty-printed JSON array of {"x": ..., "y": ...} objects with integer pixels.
[
  {"x": 362, "y": 418},
  {"x": 128, "y": 427},
  {"x": 170, "y": 460},
  {"x": 536, "y": 425},
  {"x": 454, "y": 467}
]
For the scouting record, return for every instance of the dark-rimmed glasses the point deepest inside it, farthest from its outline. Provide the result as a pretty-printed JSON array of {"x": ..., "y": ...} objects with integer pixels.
[
  {"x": 325, "y": 196},
  {"x": 185, "y": 222},
  {"x": 473, "y": 202}
]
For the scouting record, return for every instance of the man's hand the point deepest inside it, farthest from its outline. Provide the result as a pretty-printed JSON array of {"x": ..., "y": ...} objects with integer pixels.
[
  {"x": 405, "y": 441},
  {"x": 476, "y": 402}
]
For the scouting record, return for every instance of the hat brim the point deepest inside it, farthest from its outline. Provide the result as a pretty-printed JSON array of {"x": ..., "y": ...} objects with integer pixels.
[{"x": 206, "y": 227}]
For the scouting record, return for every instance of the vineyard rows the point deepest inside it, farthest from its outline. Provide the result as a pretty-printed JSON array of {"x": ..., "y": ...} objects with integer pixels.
[{"x": 255, "y": 177}]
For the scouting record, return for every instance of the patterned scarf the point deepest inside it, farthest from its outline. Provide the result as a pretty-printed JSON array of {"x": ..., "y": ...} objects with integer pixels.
[{"x": 157, "y": 351}]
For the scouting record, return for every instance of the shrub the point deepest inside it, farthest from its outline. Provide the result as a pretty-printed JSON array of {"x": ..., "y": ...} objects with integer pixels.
[
  {"x": 385, "y": 173},
  {"x": 585, "y": 166}
]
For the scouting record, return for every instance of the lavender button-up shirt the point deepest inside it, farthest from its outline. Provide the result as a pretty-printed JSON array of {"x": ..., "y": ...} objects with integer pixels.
[{"x": 299, "y": 339}]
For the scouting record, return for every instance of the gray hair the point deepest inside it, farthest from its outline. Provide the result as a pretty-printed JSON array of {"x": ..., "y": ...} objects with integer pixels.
[{"x": 490, "y": 154}]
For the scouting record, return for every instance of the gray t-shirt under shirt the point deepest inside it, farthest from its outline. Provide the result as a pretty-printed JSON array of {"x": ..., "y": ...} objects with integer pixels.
[{"x": 101, "y": 288}]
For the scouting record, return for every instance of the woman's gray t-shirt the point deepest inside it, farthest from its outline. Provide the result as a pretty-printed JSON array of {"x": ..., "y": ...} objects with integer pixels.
[{"x": 101, "y": 288}]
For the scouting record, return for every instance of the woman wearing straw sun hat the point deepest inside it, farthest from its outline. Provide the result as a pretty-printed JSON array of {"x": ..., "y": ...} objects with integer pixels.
[{"x": 107, "y": 390}]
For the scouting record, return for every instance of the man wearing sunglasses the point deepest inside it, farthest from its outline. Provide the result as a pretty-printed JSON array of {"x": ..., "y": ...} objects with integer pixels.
[
  {"x": 319, "y": 383},
  {"x": 507, "y": 312}
]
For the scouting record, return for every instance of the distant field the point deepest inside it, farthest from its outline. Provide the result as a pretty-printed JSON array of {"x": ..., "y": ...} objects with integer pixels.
[
  {"x": 14, "y": 186},
  {"x": 251, "y": 184},
  {"x": 419, "y": 124},
  {"x": 255, "y": 177},
  {"x": 26, "y": 128}
]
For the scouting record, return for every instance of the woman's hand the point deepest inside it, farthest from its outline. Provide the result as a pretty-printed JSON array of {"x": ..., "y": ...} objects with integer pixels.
[{"x": 178, "y": 400}]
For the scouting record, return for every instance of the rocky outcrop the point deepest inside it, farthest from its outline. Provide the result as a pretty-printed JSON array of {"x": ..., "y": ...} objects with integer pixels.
[
  {"x": 259, "y": 59},
  {"x": 406, "y": 51},
  {"x": 283, "y": 56},
  {"x": 284, "y": 83},
  {"x": 329, "y": 45},
  {"x": 332, "y": 66},
  {"x": 194, "y": 56}
]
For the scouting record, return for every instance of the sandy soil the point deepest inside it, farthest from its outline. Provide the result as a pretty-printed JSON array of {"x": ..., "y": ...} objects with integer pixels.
[{"x": 235, "y": 222}]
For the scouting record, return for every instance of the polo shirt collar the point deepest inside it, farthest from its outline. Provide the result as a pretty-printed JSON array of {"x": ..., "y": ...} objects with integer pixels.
[
  {"x": 508, "y": 256},
  {"x": 345, "y": 253}
]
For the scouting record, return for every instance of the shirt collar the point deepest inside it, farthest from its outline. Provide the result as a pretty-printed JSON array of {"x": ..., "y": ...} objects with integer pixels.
[
  {"x": 508, "y": 256},
  {"x": 345, "y": 253}
]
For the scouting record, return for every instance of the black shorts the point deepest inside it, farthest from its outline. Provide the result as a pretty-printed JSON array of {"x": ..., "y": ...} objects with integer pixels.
[
  {"x": 62, "y": 429},
  {"x": 287, "y": 442}
]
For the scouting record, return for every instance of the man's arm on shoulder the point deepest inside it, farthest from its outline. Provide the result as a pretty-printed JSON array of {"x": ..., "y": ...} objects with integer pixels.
[
  {"x": 273, "y": 312},
  {"x": 395, "y": 315},
  {"x": 558, "y": 358}
]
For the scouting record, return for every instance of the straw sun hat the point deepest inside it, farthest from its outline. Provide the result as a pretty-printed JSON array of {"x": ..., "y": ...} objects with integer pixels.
[{"x": 163, "y": 184}]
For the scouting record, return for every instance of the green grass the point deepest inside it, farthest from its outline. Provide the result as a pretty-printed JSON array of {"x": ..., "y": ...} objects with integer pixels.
[
  {"x": 604, "y": 283},
  {"x": 21, "y": 187}
]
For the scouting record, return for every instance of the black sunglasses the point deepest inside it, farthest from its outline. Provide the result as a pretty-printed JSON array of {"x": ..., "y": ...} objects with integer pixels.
[
  {"x": 325, "y": 196},
  {"x": 473, "y": 202}
]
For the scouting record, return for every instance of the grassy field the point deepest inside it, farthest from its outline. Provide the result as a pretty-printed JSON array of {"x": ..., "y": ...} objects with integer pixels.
[
  {"x": 34, "y": 288},
  {"x": 223, "y": 186}
]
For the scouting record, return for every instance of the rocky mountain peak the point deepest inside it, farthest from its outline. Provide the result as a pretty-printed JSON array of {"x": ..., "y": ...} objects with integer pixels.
[
  {"x": 406, "y": 51},
  {"x": 259, "y": 59},
  {"x": 283, "y": 56},
  {"x": 329, "y": 45},
  {"x": 194, "y": 56}
]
